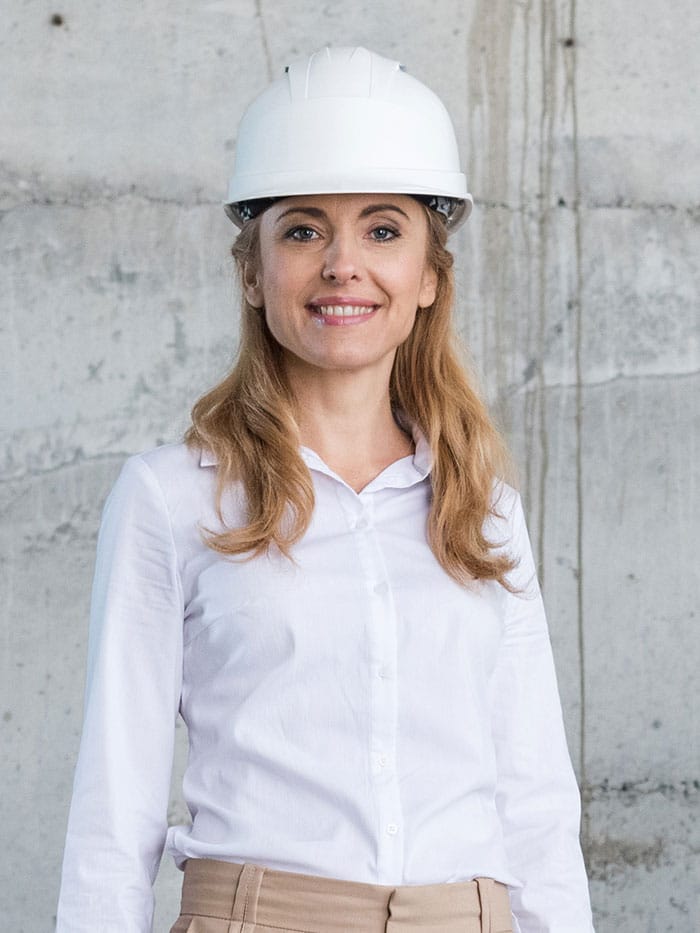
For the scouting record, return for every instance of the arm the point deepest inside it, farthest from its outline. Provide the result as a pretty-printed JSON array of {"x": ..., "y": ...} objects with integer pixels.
[
  {"x": 537, "y": 796},
  {"x": 118, "y": 817}
]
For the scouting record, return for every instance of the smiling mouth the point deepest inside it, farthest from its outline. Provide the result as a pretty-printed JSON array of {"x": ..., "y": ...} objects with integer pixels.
[{"x": 343, "y": 310}]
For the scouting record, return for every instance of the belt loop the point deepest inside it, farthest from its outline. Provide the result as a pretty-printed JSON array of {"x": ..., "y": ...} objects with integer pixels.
[
  {"x": 245, "y": 904},
  {"x": 485, "y": 889}
]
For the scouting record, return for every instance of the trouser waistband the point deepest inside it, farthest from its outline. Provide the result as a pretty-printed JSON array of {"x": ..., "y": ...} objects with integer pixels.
[{"x": 259, "y": 897}]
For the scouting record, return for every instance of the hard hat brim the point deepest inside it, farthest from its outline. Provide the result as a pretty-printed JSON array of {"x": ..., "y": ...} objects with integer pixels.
[{"x": 240, "y": 212}]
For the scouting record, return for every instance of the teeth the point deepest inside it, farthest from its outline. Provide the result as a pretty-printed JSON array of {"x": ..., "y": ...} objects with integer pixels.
[{"x": 343, "y": 310}]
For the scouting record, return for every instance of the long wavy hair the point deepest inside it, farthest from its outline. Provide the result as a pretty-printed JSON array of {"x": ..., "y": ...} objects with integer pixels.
[{"x": 248, "y": 423}]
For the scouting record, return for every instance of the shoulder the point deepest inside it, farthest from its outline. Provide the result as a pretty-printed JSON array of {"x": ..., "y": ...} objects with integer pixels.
[
  {"x": 174, "y": 473},
  {"x": 168, "y": 462},
  {"x": 506, "y": 514},
  {"x": 507, "y": 530},
  {"x": 167, "y": 465}
]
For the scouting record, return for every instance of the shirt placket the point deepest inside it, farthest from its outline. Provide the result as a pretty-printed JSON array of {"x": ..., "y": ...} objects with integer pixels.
[{"x": 382, "y": 636}]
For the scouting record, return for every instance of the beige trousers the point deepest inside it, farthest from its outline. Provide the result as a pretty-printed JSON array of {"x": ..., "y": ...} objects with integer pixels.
[{"x": 222, "y": 897}]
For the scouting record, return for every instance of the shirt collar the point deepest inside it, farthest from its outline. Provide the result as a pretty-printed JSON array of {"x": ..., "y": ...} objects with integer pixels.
[
  {"x": 423, "y": 456},
  {"x": 404, "y": 472},
  {"x": 207, "y": 458}
]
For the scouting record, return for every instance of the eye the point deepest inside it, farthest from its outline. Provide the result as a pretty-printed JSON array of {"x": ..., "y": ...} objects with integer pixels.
[
  {"x": 301, "y": 234},
  {"x": 383, "y": 234}
]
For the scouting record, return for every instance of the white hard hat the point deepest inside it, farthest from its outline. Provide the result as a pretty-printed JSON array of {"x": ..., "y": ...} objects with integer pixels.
[{"x": 347, "y": 121}]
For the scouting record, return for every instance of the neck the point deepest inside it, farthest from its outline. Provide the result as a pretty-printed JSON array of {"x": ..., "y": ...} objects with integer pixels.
[{"x": 346, "y": 418}]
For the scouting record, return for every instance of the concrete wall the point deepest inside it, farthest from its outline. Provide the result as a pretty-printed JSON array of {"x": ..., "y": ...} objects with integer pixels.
[{"x": 579, "y": 278}]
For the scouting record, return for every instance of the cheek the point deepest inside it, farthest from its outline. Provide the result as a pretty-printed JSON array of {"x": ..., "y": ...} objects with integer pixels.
[
  {"x": 283, "y": 309},
  {"x": 408, "y": 282},
  {"x": 275, "y": 317},
  {"x": 282, "y": 283},
  {"x": 275, "y": 297}
]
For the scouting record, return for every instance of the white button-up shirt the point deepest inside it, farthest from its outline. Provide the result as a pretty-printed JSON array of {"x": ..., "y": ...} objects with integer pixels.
[{"x": 353, "y": 713}]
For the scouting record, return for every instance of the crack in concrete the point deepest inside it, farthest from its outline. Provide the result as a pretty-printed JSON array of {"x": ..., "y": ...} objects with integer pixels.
[
  {"x": 584, "y": 205},
  {"x": 78, "y": 459},
  {"x": 525, "y": 226},
  {"x": 549, "y": 50},
  {"x": 263, "y": 36},
  {"x": 570, "y": 64},
  {"x": 489, "y": 103},
  {"x": 534, "y": 213},
  {"x": 83, "y": 203},
  {"x": 688, "y": 789},
  {"x": 527, "y": 385},
  {"x": 18, "y": 191}
]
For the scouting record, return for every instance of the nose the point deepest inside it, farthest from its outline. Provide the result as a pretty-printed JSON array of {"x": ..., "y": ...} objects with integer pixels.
[{"x": 341, "y": 261}]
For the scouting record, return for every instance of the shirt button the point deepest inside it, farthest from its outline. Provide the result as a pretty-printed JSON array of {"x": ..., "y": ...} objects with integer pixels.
[
  {"x": 392, "y": 829},
  {"x": 384, "y": 673},
  {"x": 383, "y": 761},
  {"x": 362, "y": 523},
  {"x": 381, "y": 588}
]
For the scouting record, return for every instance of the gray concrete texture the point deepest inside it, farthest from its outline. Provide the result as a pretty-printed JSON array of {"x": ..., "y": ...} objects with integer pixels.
[{"x": 579, "y": 276}]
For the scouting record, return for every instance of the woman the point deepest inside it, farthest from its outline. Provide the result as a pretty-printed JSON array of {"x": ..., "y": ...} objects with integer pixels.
[{"x": 329, "y": 580}]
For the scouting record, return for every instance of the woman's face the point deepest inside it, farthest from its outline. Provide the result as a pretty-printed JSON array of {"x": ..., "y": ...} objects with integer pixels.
[{"x": 341, "y": 278}]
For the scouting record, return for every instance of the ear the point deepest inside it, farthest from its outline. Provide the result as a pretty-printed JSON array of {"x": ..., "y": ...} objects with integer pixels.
[
  {"x": 428, "y": 287},
  {"x": 252, "y": 288}
]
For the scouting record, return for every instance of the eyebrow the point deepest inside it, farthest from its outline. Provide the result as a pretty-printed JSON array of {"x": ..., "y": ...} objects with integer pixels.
[{"x": 366, "y": 212}]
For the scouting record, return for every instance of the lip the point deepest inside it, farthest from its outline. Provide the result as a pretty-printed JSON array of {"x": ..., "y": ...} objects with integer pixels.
[{"x": 343, "y": 300}]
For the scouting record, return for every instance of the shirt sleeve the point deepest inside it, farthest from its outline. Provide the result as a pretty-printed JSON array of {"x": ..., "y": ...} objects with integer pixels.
[
  {"x": 118, "y": 816},
  {"x": 537, "y": 795}
]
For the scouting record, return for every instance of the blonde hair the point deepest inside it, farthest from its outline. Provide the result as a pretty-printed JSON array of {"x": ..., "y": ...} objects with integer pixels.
[{"x": 247, "y": 421}]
